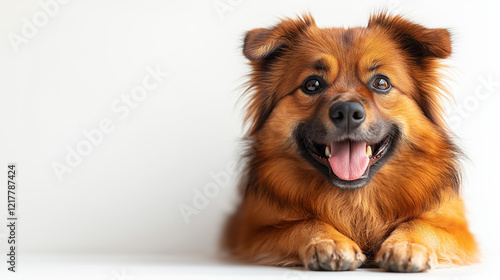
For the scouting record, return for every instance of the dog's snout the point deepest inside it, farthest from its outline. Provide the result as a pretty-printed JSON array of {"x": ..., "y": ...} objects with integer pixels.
[{"x": 347, "y": 115}]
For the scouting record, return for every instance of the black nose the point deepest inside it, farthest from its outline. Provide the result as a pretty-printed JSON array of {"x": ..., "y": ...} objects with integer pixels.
[{"x": 347, "y": 115}]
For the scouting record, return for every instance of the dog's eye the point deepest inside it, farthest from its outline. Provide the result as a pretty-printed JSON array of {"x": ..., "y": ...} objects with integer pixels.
[
  {"x": 381, "y": 84},
  {"x": 313, "y": 85}
]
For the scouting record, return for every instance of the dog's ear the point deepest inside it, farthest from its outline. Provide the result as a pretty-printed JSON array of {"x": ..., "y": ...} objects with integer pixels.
[
  {"x": 261, "y": 43},
  {"x": 423, "y": 47},
  {"x": 417, "y": 40},
  {"x": 261, "y": 47}
]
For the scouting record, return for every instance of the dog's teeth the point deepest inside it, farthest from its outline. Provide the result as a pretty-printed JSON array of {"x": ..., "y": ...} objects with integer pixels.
[
  {"x": 327, "y": 152},
  {"x": 368, "y": 151}
]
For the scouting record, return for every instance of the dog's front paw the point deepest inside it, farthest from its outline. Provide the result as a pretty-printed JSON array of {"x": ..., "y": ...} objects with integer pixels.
[
  {"x": 406, "y": 257},
  {"x": 328, "y": 254}
]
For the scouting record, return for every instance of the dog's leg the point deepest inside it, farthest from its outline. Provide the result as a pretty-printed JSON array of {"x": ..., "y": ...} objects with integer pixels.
[
  {"x": 436, "y": 239},
  {"x": 314, "y": 244},
  {"x": 331, "y": 251}
]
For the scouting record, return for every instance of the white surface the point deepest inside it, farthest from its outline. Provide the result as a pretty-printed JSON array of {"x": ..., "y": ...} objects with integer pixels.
[
  {"x": 144, "y": 267},
  {"x": 124, "y": 197}
]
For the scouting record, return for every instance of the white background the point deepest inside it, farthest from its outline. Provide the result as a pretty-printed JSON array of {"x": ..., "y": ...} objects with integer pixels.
[{"x": 124, "y": 196}]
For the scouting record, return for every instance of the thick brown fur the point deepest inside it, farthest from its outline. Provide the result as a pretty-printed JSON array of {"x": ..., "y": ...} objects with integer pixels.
[{"x": 410, "y": 216}]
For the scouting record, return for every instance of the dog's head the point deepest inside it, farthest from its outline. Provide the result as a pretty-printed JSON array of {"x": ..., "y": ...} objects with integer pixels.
[{"x": 342, "y": 101}]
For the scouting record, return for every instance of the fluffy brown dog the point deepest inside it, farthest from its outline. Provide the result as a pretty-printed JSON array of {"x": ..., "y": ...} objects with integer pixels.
[{"x": 349, "y": 159}]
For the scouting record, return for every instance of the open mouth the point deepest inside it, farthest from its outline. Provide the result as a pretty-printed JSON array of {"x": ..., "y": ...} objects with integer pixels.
[{"x": 349, "y": 163}]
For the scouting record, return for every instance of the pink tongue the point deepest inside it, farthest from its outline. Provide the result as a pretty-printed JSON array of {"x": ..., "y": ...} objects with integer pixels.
[{"x": 348, "y": 160}]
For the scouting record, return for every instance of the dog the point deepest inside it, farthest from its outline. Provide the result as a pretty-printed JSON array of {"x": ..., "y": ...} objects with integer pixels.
[{"x": 349, "y": 161}]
